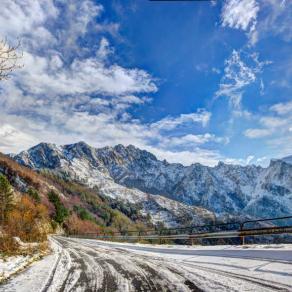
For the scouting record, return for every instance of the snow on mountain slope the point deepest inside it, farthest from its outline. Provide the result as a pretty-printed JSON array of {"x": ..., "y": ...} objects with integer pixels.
[
  {"x": 80, "y": 162},
  {"x": 131, "y": 174}
]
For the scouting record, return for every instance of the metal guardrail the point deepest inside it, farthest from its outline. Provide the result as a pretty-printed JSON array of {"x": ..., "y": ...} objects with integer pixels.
[{"x": 222, "y": 230}]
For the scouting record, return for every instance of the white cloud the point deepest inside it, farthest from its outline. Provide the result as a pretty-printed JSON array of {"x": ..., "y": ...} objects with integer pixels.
[
  {"x": 27, "y": 18},
  {"x": 78, "y": 16},
  {"x": 169, "y": 123},
  {"x": 275, "y": 128},
  {"x": 104, "y": 49},
  {"x": 238, "y": 74},
  {"x": 271, "y": 125},
  {"x": 199, "y": 155},
  {"x": 239, "y": 14},
  {"x": 282, "y": 108},
  {"x": 257, "y": 133},
  {"x": 273, "y": 122},
  {"x": 69, "y": 91},
  {"x": 9, "y": 135},
  {"x": 215, "y": 70},
  {"x": 274, "y": 19},
  {"x": 198, "y": 139},
  {"x": 41, "y": 76},
  {"x": 188, "y": 142},
  {"x": 240, "y": 161},
  {"x": 262, "y": 160}
]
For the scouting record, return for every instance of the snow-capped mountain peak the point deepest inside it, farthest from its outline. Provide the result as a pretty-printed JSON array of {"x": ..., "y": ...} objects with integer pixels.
[{"x": 130, "y": 173}]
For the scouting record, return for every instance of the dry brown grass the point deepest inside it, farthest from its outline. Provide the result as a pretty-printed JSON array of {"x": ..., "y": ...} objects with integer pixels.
[{"x": 8, "y": 246}]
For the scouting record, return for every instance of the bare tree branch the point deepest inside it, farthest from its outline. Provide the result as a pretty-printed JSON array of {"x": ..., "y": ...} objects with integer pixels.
[{"x": 9, "y": 58}]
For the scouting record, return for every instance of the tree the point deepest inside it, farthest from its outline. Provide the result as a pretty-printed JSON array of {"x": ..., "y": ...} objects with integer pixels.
[
  {"x": 121, "y": 222},
  {"x": 9, "y": 57},
  {"x": 61, "y": 212},
  {"x": 83, "y": 214},
  {"x": 6, "y": 198},
  {"x": 34, "y": 195}
]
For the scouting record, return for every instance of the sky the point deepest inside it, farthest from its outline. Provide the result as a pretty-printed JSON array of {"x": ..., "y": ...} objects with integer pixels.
[{"x": 189, "y": 81}]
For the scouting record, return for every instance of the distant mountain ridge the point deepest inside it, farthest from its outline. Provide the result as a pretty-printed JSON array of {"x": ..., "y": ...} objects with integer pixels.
[
  {"x": 82, "y": 163},
  {"x": 130, "y": 173},
  {"x": 287, "y": 159}
]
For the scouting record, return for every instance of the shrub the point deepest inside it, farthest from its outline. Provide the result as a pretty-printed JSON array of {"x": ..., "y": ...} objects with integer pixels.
[
  {"x": 75, "y": 225},
  {"x": 28, "y": 220},
  {"x": 8, "y": 245},
  {"x": 54, "y": 225}
]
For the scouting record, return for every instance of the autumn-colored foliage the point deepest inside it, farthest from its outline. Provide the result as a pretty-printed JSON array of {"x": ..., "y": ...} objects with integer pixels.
[
  {"x": 45, "y": 200},
  {"x": 28, "y": 220},
  {"x": 75, "y": 225},
  {"x": 8, "y": 245},
  {"x": 121, "y": 222}
]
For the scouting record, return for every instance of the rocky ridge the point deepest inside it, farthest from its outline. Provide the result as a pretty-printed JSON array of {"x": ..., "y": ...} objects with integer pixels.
[{"x": 128, "y": 173}]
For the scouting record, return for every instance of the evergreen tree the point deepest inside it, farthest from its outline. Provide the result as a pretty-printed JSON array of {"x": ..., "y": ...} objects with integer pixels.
[
  {"x": 6, "y": 198},
  {"x": 34, "y": 195},
  {"x": 61, "y": 212}
]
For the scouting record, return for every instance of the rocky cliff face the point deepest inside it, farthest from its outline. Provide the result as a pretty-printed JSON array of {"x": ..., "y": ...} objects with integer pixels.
[{"x": 137, "y": 175}]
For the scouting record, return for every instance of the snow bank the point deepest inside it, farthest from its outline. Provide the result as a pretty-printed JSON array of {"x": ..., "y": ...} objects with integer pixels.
[
  {"x": 12, "y": 265},
  {"x": 28, "y": 281}
]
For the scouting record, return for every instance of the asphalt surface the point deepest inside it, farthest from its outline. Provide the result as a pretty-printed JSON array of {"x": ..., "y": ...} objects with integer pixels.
[
  {"x": 103, "y": 266},
  {"x": 280, "y": 255},
  {"x": 91, "y": 265}
]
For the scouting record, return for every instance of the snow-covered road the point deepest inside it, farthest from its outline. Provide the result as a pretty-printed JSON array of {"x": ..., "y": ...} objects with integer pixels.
[{"x": 91, "y": 265}]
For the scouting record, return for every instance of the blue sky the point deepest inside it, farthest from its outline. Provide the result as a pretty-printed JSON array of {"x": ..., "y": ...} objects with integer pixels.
[{"x": 188, "y": 81}]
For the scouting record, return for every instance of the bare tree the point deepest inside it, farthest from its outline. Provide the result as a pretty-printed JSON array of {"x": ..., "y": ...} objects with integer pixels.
[{"x": 9, "y": 57}]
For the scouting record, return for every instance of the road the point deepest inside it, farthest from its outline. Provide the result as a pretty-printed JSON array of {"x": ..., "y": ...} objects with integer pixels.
[{"x": 91, "y": 265}]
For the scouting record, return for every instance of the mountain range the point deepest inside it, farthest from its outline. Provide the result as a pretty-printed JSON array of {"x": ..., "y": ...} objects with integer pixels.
[{"x": 170, "y": 192}]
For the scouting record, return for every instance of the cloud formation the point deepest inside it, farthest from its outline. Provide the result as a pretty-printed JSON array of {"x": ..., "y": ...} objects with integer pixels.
[
  {"x": 276, "y": 126},
  {"x": 71, "y": 90},
  {"x": 243, "y": 15},
  {"x": 169, "y": 123},
  {"x": 240, "y": 14},
  {"x": 241, "y": 69}
]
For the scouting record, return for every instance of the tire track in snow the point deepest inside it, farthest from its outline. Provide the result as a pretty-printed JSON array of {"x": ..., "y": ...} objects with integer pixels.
[
  {"x": 270, "y": 285},
  {"x": 88, "y": 266},
  {"x": 123, "y": 270}
]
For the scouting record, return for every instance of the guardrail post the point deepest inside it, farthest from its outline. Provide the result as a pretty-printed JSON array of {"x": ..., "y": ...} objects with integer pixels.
[
  {"x": 191, "y": 238},
  {"x": 242, "y": 241}
]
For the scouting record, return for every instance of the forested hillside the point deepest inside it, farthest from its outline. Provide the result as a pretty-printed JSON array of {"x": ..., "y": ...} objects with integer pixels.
[{"x": 34, "y": 205}]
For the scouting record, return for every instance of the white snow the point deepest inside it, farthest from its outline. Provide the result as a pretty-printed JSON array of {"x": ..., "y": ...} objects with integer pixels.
[
  {"x": 13, "y": 264},
  {"x": 35, "y": 276},
  {"x": 211, "y": 268},
  {"x": 271, "y": 263}
]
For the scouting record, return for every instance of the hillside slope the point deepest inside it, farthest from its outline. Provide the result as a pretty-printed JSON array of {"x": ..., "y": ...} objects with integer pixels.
[
  {"x": 79, "y": 200},
  {"x": 133, "y": 174},
  {"x": 105, "y": 198}
]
